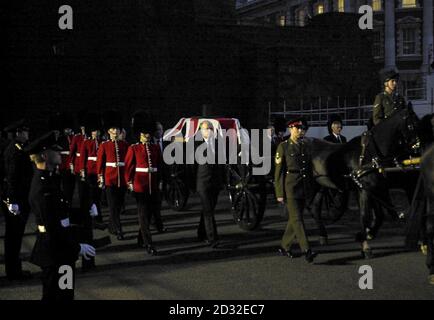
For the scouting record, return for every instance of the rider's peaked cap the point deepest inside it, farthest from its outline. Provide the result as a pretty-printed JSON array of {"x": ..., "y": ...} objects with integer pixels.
[
  {"x": 44, "y": 142},
  {"x": 388, "y": 75}
]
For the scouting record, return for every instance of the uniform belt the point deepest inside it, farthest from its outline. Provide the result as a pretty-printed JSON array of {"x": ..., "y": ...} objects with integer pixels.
[
  {"x": 64, "y": 152},
  {"x": 114, "y": 164},
  {"x": 146, "y": 170},
  {"x": 41, "y": 229},
  {"x": 91, "y": 158},
  {"x": 77, "y": 154}
]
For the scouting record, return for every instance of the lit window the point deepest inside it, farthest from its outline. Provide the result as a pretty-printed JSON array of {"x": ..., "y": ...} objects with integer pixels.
[
  {"x": 408, "y": 41},
  {"x": 320, "y": 9},
  {"x": 282, "y": 21},
  {"x": 376, "y": 5},
  {"x": 409, "y": 3},
  {"x": 341, "y": 5},
  {"x": 301, "y": 17}
]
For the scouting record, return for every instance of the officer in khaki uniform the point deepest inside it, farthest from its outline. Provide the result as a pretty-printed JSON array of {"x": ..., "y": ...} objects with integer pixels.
[
  {"x": 293, "y": 184},
  {"x": 387, "y": 101}
]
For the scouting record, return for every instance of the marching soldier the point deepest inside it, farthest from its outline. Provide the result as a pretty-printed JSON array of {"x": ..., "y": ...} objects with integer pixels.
[
  {"x": 18, "y": 175},
  {"x": 293, "y": 184},
  {"x": 55, "y": 246},
  {"x": 142, "y": 166},
  {"x": 388, "y": 101},
  {"x": 157, "y": 139},
  {"x": 110, "y": 169},
  {"x": 60, "y": 123},
  {"x": 90, "y": 202},
  {"x": 74, "y": 154}
]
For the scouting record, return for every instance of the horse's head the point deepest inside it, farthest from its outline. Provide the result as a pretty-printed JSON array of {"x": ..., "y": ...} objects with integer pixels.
[
  {"x": 398, "y": 134},
  {"x": 409, "y": 130}
]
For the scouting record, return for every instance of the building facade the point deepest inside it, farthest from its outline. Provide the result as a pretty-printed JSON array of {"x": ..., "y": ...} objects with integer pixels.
[{"x": 402, "y": 34}]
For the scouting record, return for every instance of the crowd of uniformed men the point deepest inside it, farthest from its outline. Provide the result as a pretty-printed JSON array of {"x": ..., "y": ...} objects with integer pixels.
[{"x": 102, "y": 164}]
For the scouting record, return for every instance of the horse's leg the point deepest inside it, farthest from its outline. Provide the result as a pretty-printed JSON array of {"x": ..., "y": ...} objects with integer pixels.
[
  {"x": 316, "y": 209},
  {"x": 377, "y": 220}
]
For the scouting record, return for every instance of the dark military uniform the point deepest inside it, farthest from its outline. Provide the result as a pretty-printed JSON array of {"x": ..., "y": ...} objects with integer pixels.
[
  {"x": 54, "y": 244},
  {"x": 384, "y": 106},
  {"x": 18, "y": 175},
  {"x": 293, "y": 179}
]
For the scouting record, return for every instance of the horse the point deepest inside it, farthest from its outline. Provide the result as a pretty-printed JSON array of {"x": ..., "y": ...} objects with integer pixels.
[{"x": 359, "y": 165}]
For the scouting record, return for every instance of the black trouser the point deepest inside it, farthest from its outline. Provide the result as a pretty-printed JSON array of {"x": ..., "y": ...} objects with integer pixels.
[
  {"x": 207, "y": 225},
  {"x": 50, "y": 284},
  {"x": 91, "y": 194},
  {"x": 147, "y": 204},
  {"x": 14, "y": 232},
  {"x": 68, "y": 185},
  {"x": 115, "y": 199},
  {"x": 156, "y": 211}
]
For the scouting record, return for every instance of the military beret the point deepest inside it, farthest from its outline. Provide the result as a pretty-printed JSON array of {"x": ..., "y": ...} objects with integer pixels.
[{"x": 44, "y": 142}]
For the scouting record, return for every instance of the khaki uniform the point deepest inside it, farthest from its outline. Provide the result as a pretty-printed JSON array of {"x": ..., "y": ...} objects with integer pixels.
[
  {"x": 294, "y": 181},
  {"x": 384, "y": 107}
]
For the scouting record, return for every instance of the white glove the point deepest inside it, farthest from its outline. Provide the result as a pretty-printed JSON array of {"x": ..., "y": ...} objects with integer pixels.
[
  {"x": 71, "y": 167},
  {"x": 87, "y": 251},
  {"x": 93, "y": 210},
  {"x": 14, "y": 209},
  {"x": 130, "y": 186}
]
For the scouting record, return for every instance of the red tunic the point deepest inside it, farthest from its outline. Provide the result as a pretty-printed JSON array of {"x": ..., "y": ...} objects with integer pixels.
[
  {"x": 142, "y": 165},
  {"x": 65, "y": 143},
  {"x": 111, "y": 164},
  {"x": 74, "y": 151},
  {"x": 88, "y": 155}
]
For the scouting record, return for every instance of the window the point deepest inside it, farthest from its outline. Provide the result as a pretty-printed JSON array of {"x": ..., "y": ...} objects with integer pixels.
[
  {"x": 319, "y": 9},
  {"x": 409, "y": 3},
  {"x": 301, "y": 17},
  {"x": 341, "y": 5},
  {"x": 376, "y": 5},
  {"x": 408, "y": 41}
]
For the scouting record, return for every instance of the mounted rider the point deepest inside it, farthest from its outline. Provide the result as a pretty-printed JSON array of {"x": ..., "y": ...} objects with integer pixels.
[{"x": 388, "y": 101}]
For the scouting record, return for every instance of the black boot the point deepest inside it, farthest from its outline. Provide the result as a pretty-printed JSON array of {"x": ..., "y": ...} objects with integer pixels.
[
  {"x": 285, "y": 253},
  {"x": 151, "y": 250},
  {"x": 310, "y": 255}
]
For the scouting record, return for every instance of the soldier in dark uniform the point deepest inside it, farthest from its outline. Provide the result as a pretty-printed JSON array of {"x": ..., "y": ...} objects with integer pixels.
[
  {"x": 55, "y": 246},
  {"x": 208, "y": 185},
  {"x": 157, "y": 139},
  {"x": 388, "y": 101},
  {"x": 18, "y": 175},
  {"x": 293, "y": 184}
]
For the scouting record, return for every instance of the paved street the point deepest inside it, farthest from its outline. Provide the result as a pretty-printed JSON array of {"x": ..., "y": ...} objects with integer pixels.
[{"x": 245, "y": 267}]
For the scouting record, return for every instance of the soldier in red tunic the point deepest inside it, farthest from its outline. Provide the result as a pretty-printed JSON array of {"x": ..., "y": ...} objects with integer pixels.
[
  {"x": 62, "y": 124},
  {"x": 110, "y": 169},
  {"x": 74, "y": 153},
  {"x": 142, "y": 165}
]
